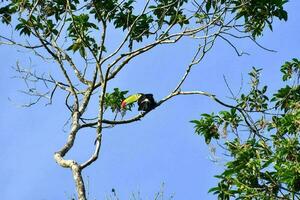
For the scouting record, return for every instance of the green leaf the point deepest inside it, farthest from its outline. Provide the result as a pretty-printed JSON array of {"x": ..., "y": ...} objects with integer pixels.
[
  {"x": 208, "y": 5},
  {"x": 82, "y": 52}
]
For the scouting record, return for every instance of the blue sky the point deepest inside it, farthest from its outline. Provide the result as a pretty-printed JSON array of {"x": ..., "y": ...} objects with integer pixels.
[{"x": 139, "y": 157}]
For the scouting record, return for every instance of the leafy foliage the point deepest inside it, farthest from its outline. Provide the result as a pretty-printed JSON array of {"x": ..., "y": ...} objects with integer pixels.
[
  {"x": 78, "y": 31},
  {"x": 113, "y": 100},
  {"x": 82, "y": 17},
  {"x": 259, "y": 13},
  {"x": 255, "y": 13},
  {"x": 210, "y": 125},
  {"x": 256, "y": 100},
  {"x": 291, "y": 68},
  {"x": 207, "y": 126},
  {"x": 265, "y": 163}
]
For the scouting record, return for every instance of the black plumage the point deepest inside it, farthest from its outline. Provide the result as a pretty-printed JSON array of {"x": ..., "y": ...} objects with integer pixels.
[{"x": 146, "y": 102}]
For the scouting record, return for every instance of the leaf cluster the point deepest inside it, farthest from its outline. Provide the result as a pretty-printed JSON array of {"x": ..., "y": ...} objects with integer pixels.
[
  {"x": 113, "y": 100},
  {"x": 259, "y": 13},
  {"x": 264, "y": 146},
  {"x": 290, "y": 68},
  {"x": 210, "y": 124},
  {"x": 256, "y": 14},
  {"x": 256, "y": 99}
]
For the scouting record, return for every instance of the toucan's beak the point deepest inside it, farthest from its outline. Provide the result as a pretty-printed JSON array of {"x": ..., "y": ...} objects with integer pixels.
[
  {"x": 123, "y": 104},
  {"x": 129, "y": 100}
]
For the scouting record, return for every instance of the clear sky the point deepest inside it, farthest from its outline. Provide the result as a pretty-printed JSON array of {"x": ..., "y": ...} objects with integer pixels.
[{"x": 139, "y": 157}]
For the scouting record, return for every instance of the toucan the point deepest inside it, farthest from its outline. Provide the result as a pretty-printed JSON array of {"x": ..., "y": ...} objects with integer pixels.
[{"x": 145, "y": 102}]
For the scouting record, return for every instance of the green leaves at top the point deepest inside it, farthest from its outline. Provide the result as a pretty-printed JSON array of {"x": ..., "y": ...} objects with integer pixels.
[
  {"x": 256, "y": 14},
  {"x": 83, "y": 18},
  {"x": 103, "y": 9},
  {"x": 169, "y": 12},
  {"x": 259, "y": 13}
]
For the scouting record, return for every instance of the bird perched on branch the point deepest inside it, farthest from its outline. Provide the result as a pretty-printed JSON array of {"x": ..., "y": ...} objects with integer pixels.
[{"x": 145, "y": 102}]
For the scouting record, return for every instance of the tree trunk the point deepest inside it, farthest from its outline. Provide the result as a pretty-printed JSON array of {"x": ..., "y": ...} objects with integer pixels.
[
  {"x": 76, "y": 170},
  {"x": 78, "y": 181}
]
